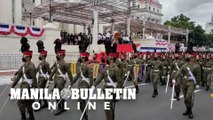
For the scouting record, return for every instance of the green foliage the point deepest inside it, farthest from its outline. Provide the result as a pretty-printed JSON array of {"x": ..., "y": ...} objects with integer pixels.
[{"x": 197, "y": 36}]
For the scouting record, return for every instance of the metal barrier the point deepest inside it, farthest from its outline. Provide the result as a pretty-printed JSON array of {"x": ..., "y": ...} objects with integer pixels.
[{"x": 14, "y": 61}]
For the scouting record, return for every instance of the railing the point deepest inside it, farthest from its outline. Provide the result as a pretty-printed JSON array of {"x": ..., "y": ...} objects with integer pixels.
[{"x": 14, "y": 61}]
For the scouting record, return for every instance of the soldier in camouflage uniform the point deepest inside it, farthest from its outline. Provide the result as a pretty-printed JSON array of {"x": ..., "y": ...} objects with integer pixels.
[
  {"x": 207, "y": 71},
  {"x": 60, "y": 71},
  {"x": 122, "y": 65},
  {"x": 85, "y": 77},
  {"x": 155, "y": 74},
  {"x": 188, "y": 84},
  {"x": 165, "y": 65},
  {"x": 111, "y": 71},
  {"x": 28, "y": 74},
  {"x": 148, "y": 68},
  {"x": 131, "y": 68},
  {"x": 174, "y": 67},
  {"x": 44, "y": 72}
]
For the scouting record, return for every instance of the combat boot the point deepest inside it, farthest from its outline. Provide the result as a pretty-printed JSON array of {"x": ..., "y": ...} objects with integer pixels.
[
  {"x": 23, "y": 116},
  {"x": 207, "y": 88},
  {"x": 177, "y": 96},
  {"x": 31, "y": 116},
  {"x": 137, "y": 89},
  {"x": 155, "y": 93},
  {"x": 186, "y": 112},
  {"x": 190, "y": 114},
  {"x": 85, "y": 117}
]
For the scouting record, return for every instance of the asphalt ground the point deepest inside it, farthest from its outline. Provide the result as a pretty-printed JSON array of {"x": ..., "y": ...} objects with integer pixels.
[{"x": 143, "y": 108}]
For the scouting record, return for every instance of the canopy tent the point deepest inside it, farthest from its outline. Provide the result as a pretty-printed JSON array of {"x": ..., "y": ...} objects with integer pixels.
[{"x": 81, "y": 12}]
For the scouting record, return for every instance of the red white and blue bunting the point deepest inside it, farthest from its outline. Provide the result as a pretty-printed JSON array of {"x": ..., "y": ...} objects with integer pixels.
[
  {"x": 20, "y": 30},
  {"x": 6, "y": 29},
  {"x": 36, "y": 32}
]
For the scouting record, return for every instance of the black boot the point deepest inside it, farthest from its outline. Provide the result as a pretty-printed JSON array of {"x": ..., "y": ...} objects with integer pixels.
[
  {"x": 190, "y": 114},
  {"x": 186, "y": 112},
  {"x": 137, "y": 89},
  {"x": 45, "y": 105},
  {"x": 207, "y": 88},
  {"x": 155, "y": 93},
  {"x": 31, "y": 116},
  {"x": 203, "y": 84},
  {"x": 23, "y": 116},
  {"x": 177, "y": 97},
  {"x": 85, "y": 116}
]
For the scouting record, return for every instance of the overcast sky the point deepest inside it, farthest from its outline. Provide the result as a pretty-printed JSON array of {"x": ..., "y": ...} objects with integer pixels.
[{"x": 198, "y": 10}]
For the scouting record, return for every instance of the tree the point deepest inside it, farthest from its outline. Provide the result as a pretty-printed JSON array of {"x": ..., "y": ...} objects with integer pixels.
[
  {"x": 197, "y": 35},
  {"x": 181, "y": 21}
]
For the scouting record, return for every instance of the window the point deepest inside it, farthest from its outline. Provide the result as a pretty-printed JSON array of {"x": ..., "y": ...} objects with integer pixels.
[
  {"x": 158, "y": 10},
  {"x": 33, "y": 1},
  {"x": 149, "y": 8},
  {"x": 138, "y": 6},
  {"x": 154, "y": 9}
]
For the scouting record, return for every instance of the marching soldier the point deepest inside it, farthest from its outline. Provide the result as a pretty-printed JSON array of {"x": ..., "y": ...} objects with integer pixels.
[
  {"x": 133, "y": 72},
  {"x": 112, "y": 78},
  {"x": 60, "y": 71},
  {"x": 148, "y": 67},
  {"x": 207, "y": 71},
  {"x": 85, "y": 77},
  {"x": 174, "y": 67},
  {"x": 122, "y": 65},
  {"x": 165, "y": 69},
  {"x": 28, "y": 74},
  {"x": 44, "y": 72},
  {"x": 155, "y": 74},
  {"x": 191, "y": 79}
]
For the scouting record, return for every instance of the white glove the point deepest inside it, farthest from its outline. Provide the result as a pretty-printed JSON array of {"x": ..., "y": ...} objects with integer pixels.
[
  {"x": 173, "y": 81},
  {"x": 197, "y": 86},
  {"x": 92, "y": 88}
]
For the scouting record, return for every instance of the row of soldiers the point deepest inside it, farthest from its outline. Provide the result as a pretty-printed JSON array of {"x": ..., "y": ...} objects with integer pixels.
[{"x": 155, "y": 66}]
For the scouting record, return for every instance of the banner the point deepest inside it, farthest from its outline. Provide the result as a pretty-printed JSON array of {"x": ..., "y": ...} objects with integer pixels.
[
  {"x": 137, "y": 70},
  {"x": 95, "y": 70},
  {"x": 20, "y": 30},
  {"x": 36, "y": 32},
  {"x": 5, "y": 29},
  {"x": 73, "y": 68}
]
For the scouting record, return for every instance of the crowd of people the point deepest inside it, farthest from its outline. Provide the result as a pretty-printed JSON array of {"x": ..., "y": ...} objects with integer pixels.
[{"x": 76, "y": 39}]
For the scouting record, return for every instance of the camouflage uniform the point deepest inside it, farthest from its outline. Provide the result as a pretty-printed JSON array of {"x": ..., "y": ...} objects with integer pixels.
[
  {"x": 188, "y": 85},
  {"x": 122, "y": 65},
  {"x": 175, "y": 66},
  {"x": 131, "y": 68},
  {"x": 30, "y": 81},
  {"x": 60, "y": 71},
  {"x": 44, "y": 72},
  {"x": 207, "y": 72},
  {"x": 114, "y": 74},
  {"x": 85, "y": 77},
  {"x": 155, "y": 75},
  {"x": 165, "y": 70}
]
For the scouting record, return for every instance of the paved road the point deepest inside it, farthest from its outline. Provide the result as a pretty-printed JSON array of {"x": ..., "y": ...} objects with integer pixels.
[{"x": 144, "y": 108}]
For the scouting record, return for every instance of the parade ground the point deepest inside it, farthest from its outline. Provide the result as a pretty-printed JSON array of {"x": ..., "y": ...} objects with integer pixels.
[{"x": 143, "y": 108}]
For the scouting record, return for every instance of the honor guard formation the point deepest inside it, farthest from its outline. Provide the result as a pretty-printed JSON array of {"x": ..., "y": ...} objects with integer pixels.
[{"x": 184, "y": 72}]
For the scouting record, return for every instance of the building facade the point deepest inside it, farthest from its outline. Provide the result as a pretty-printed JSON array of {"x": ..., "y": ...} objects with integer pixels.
[{"x": 148, "y": 10}]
